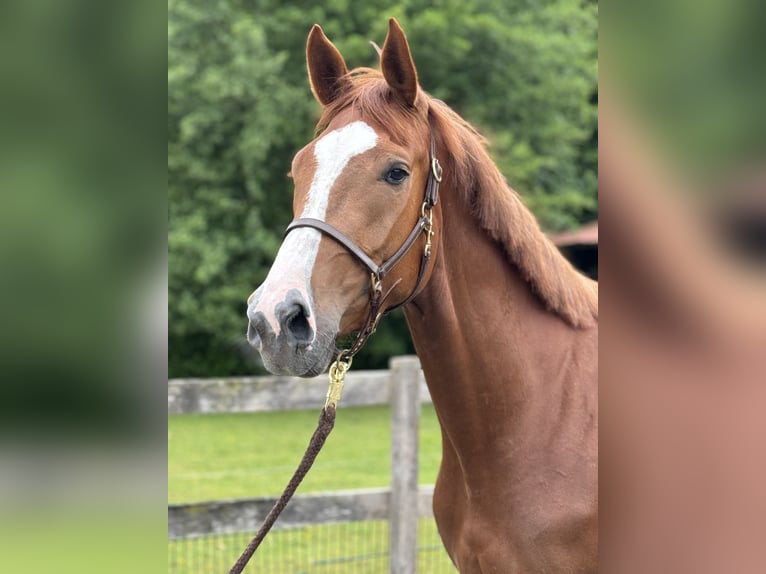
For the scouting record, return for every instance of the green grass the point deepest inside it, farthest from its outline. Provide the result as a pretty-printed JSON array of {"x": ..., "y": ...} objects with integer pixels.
[
  {"x": 347, "y": 548},
  {"x": 213, "y": 457}
]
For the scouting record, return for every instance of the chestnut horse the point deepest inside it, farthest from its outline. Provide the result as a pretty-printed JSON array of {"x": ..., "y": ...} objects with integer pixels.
[{"x": 505, "y": 328}]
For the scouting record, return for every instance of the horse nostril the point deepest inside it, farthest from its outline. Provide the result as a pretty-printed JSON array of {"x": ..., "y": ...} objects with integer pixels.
[
  {"x": 292, "y": 317},
  {"x": 257, "y": 328},
  {"x": 298, "y": 327},
  {"x": 293, "y": 314}
]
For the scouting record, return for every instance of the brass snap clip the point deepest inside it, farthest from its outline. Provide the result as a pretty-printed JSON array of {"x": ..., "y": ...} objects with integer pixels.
[{"x": 337, "y": 376}]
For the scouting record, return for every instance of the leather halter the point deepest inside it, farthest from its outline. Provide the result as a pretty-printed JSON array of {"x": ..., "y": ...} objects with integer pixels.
[{"x": 424, "y": 225}]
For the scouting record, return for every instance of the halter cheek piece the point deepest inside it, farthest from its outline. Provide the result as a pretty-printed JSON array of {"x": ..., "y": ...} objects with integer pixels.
[{"x": 424, "y": 225}]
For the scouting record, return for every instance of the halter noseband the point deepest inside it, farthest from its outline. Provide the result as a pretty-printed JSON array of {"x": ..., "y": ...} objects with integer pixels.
[{"x": 424, "y": 224}]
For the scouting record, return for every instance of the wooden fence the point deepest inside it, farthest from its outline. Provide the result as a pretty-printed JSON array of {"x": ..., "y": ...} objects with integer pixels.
[
  {"x": 269, "y": 393},
  {"x": 402, "y": 386}
]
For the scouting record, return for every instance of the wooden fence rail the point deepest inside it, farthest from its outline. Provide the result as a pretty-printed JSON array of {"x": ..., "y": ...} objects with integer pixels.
[
  {"x": 245, "y": 515},
  {"x": 260, "y": 394}
]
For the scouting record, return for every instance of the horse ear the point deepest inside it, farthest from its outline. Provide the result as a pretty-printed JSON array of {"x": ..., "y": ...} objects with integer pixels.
[
  {"x": 397, "y": 65},
  {"x": 326, "y": 66}
]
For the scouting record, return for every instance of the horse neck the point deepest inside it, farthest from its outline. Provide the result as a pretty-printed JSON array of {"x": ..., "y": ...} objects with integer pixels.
[{"x": 494, "y": 358}]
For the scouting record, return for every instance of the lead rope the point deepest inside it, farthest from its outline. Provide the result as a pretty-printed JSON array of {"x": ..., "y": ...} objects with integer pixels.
[{"x": 324, "y": 427}]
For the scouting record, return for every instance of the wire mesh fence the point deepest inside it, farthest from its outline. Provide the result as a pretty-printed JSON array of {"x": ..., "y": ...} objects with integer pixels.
[{"x": 339, "y": 548}]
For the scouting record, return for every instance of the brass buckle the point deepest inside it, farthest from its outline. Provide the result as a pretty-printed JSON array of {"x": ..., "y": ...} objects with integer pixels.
[
  {"x": 429, "y": 228},
  {"x": 376, "y": 285}
]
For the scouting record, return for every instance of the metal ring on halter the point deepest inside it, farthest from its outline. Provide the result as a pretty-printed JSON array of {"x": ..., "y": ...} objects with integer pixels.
[{"x": 436, "y": 169}]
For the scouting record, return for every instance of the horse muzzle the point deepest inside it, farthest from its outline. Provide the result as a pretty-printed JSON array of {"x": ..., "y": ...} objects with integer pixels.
[{"x": 287, "y": 336}]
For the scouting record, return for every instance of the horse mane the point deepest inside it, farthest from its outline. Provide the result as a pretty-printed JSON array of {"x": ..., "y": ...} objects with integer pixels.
[{"x": 497, "y": 208}]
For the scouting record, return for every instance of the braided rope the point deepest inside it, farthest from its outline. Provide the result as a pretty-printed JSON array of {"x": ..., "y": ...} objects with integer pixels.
[{"x": 324, "y": 426}]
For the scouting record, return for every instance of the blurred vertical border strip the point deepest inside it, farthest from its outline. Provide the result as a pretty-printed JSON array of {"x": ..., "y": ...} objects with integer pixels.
[
  {"x": 682, "y": 392},
  {"x": 83, "y": 219}
]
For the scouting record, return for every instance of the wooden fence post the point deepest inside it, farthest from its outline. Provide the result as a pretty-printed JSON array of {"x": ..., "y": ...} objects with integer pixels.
[{"x": 405, "y": 414}]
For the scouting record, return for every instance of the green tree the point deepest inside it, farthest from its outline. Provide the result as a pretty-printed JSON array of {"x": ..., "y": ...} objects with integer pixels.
[
  {"x": 524, "y": 73},
  {"x": 227, "y": 110}
]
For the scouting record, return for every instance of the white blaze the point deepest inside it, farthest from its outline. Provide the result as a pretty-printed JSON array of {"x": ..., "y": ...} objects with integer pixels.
[
  {"x": 294, "y": 264},
  {"x": 333, "y": 152}
]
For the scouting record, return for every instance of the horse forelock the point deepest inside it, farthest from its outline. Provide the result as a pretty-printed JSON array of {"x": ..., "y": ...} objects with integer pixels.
[
  {"x": 367, "y": 91},
  {"x": 497, "y": 208}
]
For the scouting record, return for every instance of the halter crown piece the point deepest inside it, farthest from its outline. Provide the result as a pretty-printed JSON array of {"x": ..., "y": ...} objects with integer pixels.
[{"x": 343, "y": 358}]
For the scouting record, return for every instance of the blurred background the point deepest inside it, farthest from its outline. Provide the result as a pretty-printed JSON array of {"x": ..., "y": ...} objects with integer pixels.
[
  {"x": 83, "y": 319},
  {"x": 682, "y": 203}
]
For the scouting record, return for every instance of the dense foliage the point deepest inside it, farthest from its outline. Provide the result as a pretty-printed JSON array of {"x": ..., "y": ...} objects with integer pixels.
[{"x": 239, "y": 107}]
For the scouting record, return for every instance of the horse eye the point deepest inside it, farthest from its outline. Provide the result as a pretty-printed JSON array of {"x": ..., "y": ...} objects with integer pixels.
[{"x": 396, "y": 176}]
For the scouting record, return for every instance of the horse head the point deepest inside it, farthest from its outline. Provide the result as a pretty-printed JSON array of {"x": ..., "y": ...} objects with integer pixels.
[{"x": 359, "y": 189}]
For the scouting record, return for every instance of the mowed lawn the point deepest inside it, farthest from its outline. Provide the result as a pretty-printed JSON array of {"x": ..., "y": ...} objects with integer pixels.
[{"x": 212, "y": 457}]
